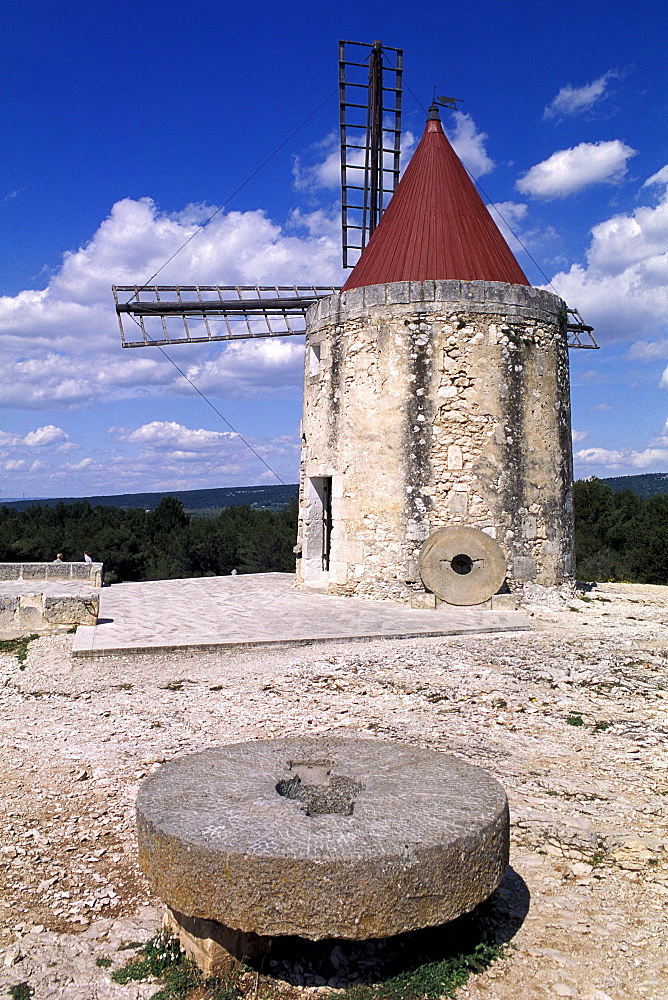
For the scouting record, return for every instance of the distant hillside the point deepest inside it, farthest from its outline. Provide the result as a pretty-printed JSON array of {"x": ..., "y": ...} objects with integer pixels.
[
  {"x": 194, "y": 501},
  {"x": 647, "y": 485}
]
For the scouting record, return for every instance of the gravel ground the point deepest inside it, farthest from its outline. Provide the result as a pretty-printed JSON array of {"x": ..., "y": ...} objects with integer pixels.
[{"x": 570, "y": 717}]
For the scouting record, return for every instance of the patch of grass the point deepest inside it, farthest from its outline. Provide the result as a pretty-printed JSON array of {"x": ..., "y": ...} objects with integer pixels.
[
  {"x": 431, "y": 980},
  {"x": 162, "y": 958},
  {"x": 600, "y": 727},
  {"x": 19, "y": 647},
  {"x": 155, "y": 958},
  {"x": 103, "y": 963},
  {"x": 130, "y": 945},
  {"x": 21, "y": 991},
  {"x": 574, "y": 719}
]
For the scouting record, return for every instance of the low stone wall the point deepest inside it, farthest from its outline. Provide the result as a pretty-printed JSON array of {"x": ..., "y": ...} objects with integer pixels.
[
  {"x": 35, "y": 594},
  {"x": 33, "y": 611},
  {"x": 53, "y": 571}
]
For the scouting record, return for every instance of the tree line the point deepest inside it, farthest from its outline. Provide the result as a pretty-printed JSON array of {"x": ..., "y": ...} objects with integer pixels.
[
  {"x": 162, "y": 544},
  {"x": 618, "y": 536}
]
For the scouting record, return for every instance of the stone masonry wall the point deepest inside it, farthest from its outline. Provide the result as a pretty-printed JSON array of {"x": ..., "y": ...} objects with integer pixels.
[{"x": 433, "y": 404}]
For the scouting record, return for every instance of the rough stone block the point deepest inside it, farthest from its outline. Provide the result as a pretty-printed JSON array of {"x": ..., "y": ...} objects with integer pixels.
[
  {"x": 69, "y": 610},
  {"x": 421, "y": 291},
  {"x": 8, "y": 611},
  {"x": 10, "y": 571},
  {"x": 214, "y": 948},
  {"x": 454, "y": 457},
  {"x": 529, "y": 526},
  {"x": 458, "y": 502},
  {"x": 504, "y": 602},
  {"x": 30, "y": 611},
  {"x": 524, "y": 568},
  {"x": 81, "y": 571},
  {"x": 374, "y": 295},
  {"x": 398, "y": 292},
  {"x": 423, "y": 601},
  {"x": 447, "y": 291},
  {"x": 58, "y": 571},
  {"x": 33, "y": 571}
]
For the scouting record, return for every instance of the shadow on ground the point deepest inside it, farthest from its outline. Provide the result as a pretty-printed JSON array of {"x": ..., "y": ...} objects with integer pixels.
[{"x": 342, "y": 964}]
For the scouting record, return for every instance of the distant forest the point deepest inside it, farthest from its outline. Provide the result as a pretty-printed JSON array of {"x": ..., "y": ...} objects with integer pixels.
[
  {"x": 618, "y": 536},
  {"x": 162, "y": 544}
]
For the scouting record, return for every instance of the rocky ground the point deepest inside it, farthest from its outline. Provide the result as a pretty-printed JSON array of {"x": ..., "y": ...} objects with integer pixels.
[{"x": 571, "y": 717}]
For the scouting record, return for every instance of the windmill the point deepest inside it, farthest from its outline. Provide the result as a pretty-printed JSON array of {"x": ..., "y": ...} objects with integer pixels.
[
  {"x": 370, "y": 109},
  {"x": 436, "y": 459}
]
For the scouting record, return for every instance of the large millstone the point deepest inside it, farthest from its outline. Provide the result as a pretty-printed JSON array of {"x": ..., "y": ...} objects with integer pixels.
[
  {"x": 462, "y": 565},
  {"x": 322, "y": 838}
]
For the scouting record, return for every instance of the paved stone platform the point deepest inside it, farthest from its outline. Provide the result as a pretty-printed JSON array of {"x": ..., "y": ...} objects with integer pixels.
[{"x": 260, "y": 609}]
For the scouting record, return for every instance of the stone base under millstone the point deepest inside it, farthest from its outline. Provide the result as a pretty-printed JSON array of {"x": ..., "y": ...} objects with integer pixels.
[{"x": 320, "y": 838}]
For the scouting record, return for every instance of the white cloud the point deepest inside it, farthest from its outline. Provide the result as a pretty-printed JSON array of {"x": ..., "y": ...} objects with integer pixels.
[
  {"x": 469, "y": 145},
  {"x": 578, "y": 436},
  {"x": 571, "y": 170},
  {"x": 659, "y": 178},
  {"x": 627, "y": 461},
  {"x": 44, "y": 436},
  {"x": 509, "y": 216},
  {"x": 576, "y": 100},
  {"x": 325, "y": 170},
  {"x": 622, "y": 289},
  {"x": 643, "y": 350},
  {"x": 600, "y": 456},
  {"x": 61, "y": 346},
  {"x": 175, "y": 437}
]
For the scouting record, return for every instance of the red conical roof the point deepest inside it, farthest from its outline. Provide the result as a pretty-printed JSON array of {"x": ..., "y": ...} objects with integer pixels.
[{"x": 436, "y": 225}]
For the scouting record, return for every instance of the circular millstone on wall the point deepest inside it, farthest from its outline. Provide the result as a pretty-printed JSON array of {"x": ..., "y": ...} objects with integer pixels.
[
  {"x": 323, "y": 837},
  {"x": 462, "y": 566}
]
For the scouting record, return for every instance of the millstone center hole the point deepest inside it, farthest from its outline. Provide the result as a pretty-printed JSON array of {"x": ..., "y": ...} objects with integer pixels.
[
  {"x": 462, "y": 564},
  {"x": 336, "y": 796}
]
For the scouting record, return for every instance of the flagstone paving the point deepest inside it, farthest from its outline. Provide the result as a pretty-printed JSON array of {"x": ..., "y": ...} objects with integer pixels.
[{"x": 260, "y": 609}]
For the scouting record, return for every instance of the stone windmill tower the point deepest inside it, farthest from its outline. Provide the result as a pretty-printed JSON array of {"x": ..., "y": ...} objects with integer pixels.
[
  {"x": 436, "y": 435},
  {"x": 436, "y": 450}
]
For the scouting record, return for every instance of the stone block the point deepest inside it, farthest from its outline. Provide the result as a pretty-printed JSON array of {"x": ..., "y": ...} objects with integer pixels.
[
  {"x": 71, "y": 610},
  {"x": 504, "y": 602},
  {"x": 421, "y": 291},
  {"x": 58, "y": 571},
  {"x": 81, "y": 571},
  {"x": 454, "y": 457},
  {"x": 8, "y": 611},
  {"x": 458, "y": 502},
  {"x": 33, "y": 571},
  {"x": 398, "y": 292},
  {"x": 30, "y": 611},
  {"x": 524, "y": 568},
  {"x": 529, "y": 526},
  {"x": 10, "y": 571},
  {"x": 447, "y": 291},
  {"x": 423, "y": 601},
  {"x": 374, "y": 295},
  {"x": 214, "y": 948}
]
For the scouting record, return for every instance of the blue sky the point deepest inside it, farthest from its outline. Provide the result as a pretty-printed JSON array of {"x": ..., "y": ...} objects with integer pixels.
[{"x": 126, "y": 124}]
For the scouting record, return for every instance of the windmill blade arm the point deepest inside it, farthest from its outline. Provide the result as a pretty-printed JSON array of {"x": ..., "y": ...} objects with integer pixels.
[{"x": 212, "y": 307}]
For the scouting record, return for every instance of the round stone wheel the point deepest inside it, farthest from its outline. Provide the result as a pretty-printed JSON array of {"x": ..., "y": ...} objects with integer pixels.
[
  {"x": 322, "y": 838},
  {"x": 462, "y": 566}
]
